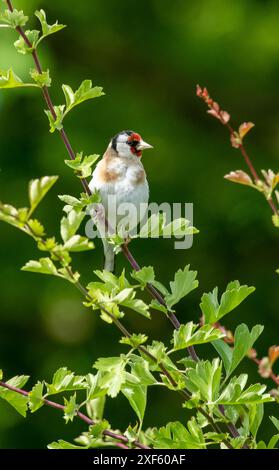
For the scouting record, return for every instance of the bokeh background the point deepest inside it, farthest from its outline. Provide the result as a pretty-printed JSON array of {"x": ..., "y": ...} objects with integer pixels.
[{"x": 148, "y": 56}]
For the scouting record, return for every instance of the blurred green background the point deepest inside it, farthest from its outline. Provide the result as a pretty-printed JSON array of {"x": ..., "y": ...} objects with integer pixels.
[{"x": 148, "y": 56}]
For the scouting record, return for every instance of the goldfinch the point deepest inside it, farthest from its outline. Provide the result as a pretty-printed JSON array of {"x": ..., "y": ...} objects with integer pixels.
[{"x": 121, "y": 174}]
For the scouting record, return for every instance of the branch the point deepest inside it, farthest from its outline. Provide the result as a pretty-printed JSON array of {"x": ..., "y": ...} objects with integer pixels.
[
  {"x": 236, "y": 139},
  {"x": 83, "y": 417}
]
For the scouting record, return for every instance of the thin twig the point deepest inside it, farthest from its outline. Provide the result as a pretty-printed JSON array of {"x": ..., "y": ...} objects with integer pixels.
[{"x": 82, "y": 416}]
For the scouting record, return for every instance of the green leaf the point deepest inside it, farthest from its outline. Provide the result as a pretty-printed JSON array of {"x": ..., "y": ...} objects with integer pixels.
[
  {"x": 70, "y": 408},
  {"x": 136, "y": 395},
  {"x": 41, "y": 79},
  {"x": 137, "y": 305},
  {"x": 273, "y": 441},
  {"x": 55, "y": 122},
  {"x": 95, "y": 407},
  {"x": 46, "y": 28},
  {"x": 78, "y": 243},
  {"x": 234, "y": 393},
  {"x": 37, "y": 229},
  {"x": 231, "y": 298},
  {"x": 206, "y": 378},
  {"x": 243, "y": 341},
  {"x": 175, "y": 436},
  {"x": 134, "y": 340},
  {"x": 65, "y": 380},
  {"x": 71, "y": 201},
  {"x": 96, "y": 430},
  {"x": 179, "y": 227},
  {"x": 43, "y": 266},
  {"x": 82, "y": 165},
  {"x": 275, "y": 421},
  {"x": 187, "y": 335},
  {"x": 70, "y": 224},
  {"x": 256, "y": 414},
  {"x": 157, "y": 306},
  {"x": 38, "y": 188},
  {"x": 83, "y": 93},
  {"x": 145, "y": 275},
  {"x": 140, "y": 370},
  {"x": 113, "y": 374},
  {"x": 156, "y": 227},
  {"x": 22, "y": 47},
  {"x": 16, "y": 400},
  {"x": 61, "y": 444},
  {"x": 14, "y": 18},
  {"x": 36, "y": 397},
  {"x": 225, "y": 351},
  {"x": 184, "y": 282},
  {"x": 8, "y": 79}
]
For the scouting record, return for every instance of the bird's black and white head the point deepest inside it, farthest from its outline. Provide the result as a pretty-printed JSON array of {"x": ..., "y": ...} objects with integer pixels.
[{"x": 128, "y": 144}]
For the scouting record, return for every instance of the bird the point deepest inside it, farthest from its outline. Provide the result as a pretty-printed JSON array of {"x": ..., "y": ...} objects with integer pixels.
[{"x": 120, "y": 173}]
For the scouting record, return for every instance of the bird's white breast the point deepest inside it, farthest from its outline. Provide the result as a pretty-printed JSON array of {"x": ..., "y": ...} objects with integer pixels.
[{"x": 130, "y": 185}]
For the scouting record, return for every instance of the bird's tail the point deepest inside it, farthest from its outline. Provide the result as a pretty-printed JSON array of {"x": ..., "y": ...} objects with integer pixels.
[{"x": 109, "y": 256}]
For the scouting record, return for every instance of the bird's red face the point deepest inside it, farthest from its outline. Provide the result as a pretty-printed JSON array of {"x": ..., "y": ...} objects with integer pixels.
[
  {"x": 129, "y": 143},
  {"x": 134, "y": 141}
]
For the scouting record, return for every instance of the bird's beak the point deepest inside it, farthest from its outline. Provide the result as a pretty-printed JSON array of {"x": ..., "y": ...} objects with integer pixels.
[{"x": 143, "y": 145}]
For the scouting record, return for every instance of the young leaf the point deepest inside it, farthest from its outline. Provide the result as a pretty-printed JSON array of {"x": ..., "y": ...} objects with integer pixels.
[
  {"x": 243, "y": 342},
  {"x": 14, "y": 18},
  {"x": 41, "y": 79},
  {"x": 65, "y": 380},
  {"x": 184, "y": 282},
  {"x": 206, "y": 378},
  {"x": 36, "y": 397},
  {"x": 134, "y": 340},
  {"x": 38, "y": 188},
  {"x": 61, "y": 444},
  {"x": 46, "y": 28},
  {"x": 231, "y": 298},
  {"x": 234, "y": 393},
  {"x": 256, "y": 413},
  {"x": 82, "y": 165},
  {"x": 187, "y": 335},
  {"x": 178, "y": 227},
  {"x": 175, "y": 436},
  {"x": 225, "y": 351},
  {"x": 70, "y": 408},
  {"x": 78, "y": 243},
  {"x": 137, "y": 305},
  {"x": 136, "y": 395},
  {"x": 70, "y": 224},
  {"x": 37, "y": 229},
  {"x": 275, "y": 421},
  {"x": 8, "y": 79},
  {"x": 239, "y": 176},
  {"x": 16, "y": 400},
  {"x": 140, "y": 369},
  {"x": 83, "y": 93},
  {"x": 43, "y": 266},
  {"x": 32, "y": 37},
  {"x": 55, "y": 122},
  {"x": 145, "y": 275},
  {"x": 113, "y": 374}
]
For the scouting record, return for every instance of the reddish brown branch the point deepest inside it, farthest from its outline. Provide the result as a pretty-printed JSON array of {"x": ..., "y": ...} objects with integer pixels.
[
  {"x": 82, "y": 416},
  {"x": 224, "y": 117}
]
